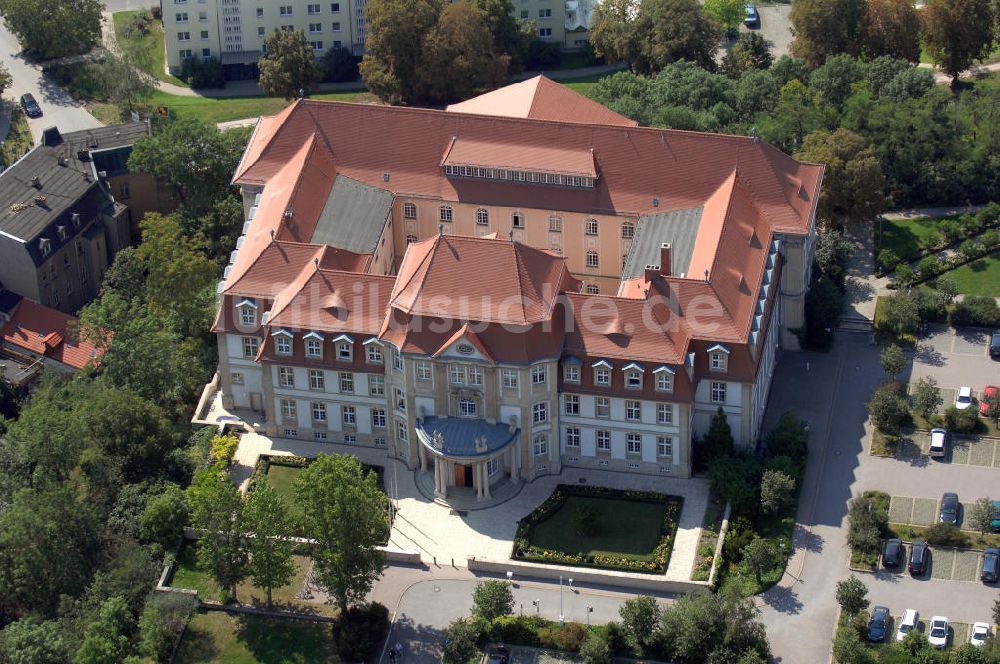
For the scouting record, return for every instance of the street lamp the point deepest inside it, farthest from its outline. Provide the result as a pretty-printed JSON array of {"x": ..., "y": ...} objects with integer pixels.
[
  {"x": 590, "y": 610},
  {"x": 560, "y": 600}
]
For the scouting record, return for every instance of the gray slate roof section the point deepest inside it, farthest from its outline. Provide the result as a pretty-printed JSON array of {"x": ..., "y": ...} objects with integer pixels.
[
  {"x": 679, "y": 228},
  {"x": 460, "y": 434},
  {"x": 354, "y": 216}
]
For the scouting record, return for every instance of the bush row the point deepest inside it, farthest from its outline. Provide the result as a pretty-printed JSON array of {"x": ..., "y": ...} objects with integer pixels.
[
  {"x": 936, "y": 265},
  {"x": 948, "y": 233}
]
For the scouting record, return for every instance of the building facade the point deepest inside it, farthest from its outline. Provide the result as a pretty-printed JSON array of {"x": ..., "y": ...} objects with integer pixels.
[{"x": 487, "y": 308}]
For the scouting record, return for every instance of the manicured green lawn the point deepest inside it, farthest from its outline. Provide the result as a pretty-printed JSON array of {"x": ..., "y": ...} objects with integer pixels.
[
  {"x": 904, "y": 236},
  {"x": 223, "y": 638},
  {"x": 281, "y": 478},
  {"x": 224, "y": 109},
  {"x": 625, "y": 527},
  {"x": 980, "y": 277},
  {"x": 151, "y": 42}
]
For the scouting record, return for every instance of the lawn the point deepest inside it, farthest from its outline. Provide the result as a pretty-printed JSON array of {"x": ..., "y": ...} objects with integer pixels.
[
  {"x": 151, "y": 42},
  {"x": 980, "y": 277},
  {"x": 18, "y": 140},
  {"x": 903, "y": 236},
  {"x": 281, "y": 478},
  {"x": 224, "y": 109},
  {"x": 626, "y": 527},
  {"x": 223, "y": 638}
]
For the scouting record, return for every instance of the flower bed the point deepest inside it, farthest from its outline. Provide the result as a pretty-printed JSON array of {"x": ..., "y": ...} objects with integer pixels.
[{"x": 653, "y": 561}]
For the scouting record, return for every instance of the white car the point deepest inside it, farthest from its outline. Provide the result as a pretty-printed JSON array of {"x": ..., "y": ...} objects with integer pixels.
[
  {"x": 938, "y": 443},
  {"x": 964, "y": 398},
  {"x": 937, "y": 633},
  {"x": 980, "y": 632},
  {"x": 907, "y": 623}
]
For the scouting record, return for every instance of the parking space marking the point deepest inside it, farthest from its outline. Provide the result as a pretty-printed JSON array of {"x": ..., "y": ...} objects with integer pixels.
[
  {"x": 900, "y": 509},
  {"x": 982, "y": 451},
  {"x": 925, "y": 511}
]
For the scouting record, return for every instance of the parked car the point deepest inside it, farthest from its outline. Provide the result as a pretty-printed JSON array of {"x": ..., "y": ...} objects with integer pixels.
[
  {"x": 964, "y": 398},
  {"x": 939, "y": 443},
  {"x": 919, "y": 552},
  {"x": 937, "y": 634},
  {"x": 989, "y": 392},
  {"x": 879, "y": 624},
  {"x": 949, "y": 508},
  {"x": 30, "y": 106},
  {"x": 979, "y": 633},
  {"x": 892, "y": 554},
  {"x": 995, "y": 523},
  {"x": 498, "y": 655},
  {"x": 907, "y": 623},
  {"x": 995, "y": 346},
  {"x": 752, "y": 19},
  {"x": 991, "y": 566}
]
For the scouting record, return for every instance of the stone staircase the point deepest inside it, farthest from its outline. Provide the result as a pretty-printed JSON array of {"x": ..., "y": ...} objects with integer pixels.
[{"x": 856, "y": 324}]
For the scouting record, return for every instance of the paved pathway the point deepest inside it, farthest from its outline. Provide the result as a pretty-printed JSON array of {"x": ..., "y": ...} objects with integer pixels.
[{"x": 974, "y": 71}]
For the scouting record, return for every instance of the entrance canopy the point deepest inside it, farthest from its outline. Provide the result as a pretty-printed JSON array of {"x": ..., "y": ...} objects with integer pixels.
[{"x": 464, "y": 437}]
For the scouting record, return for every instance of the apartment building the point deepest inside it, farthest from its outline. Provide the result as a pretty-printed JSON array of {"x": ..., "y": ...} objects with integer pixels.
[{"x": 492, "y": 298}]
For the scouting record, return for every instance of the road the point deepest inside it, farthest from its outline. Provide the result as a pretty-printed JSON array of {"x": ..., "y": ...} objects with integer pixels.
[
  {"x": 775, "y": 26},
  {"x": 58, "y": 108}
]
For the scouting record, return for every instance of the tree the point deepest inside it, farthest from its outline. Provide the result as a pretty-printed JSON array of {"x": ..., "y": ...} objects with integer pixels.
[
  {"x": 266, "y": 516},
  {"x": 887, "y": 409},
  {"x": 957, "y": 33},
  {"x": 54, "y": 28},
  {"x": 106, "y": 639},
  {"x": 848, "y": 648},
  {"x": 823, "y": 28},
  {"x": 751, "y": 51},
  {"x": 853, "y": 184},
  {"x": 797, "y": 113},
  {"x": 339, "y": 66},
  {"x": 888, "y": 259},
  {"x": 5, "y": 78},
  {"x": 926, "y": 397},
  {"x": 288, "y": 67},
  {"x": 891, "y": 27},
  {"x": 756, "y": 92},
  {"x": 492, "y": 599},
  {"x": 900, "y": 314},
  {"x": 639, "y": 618},
  {"x": 217, "y": 509},
  {"x": 893, "y": 360},
  {"x": 852, "y": 595},
  {"x": 124, "y": 80},
  {"x": 31, "y": 641},
  {"x": 163, "y": 617},
  {"x": 981, "y": 514},
  {"x": 776, "y": 490},
  {"x": 458, "y": 58},
  {"x": 712, "y": 627},
  {"x": 595, "y": 649},
  {"x": 611, "y": 30},
  {"x": 729, "y": 14},
  {"x": 759, "y": 556},
  {"x": 460, "y": 638},
  {"x": 347, "y": 514},
  {"x": 131, "y": 432},
  {"x": 394, "y": 46},
  {"x": 665, "y": 31},
  {"x": 947, "y": 287},
  {"x": 718, "y": 442},
  {"x": 835, "y": 78},
  {"x": 165, "y": 516},
  {"x": 510, "y": 36}
]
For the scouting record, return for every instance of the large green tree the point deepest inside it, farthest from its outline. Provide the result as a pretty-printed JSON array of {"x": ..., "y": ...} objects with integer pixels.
[
  {"x": 54, "y": 28},
  {"x": 32, "y": 641},
  {"x": 891, "y": 27},
  {"x": 266, "y": 516},
  {"x": 347, "y": 514},
  {"x": 510, "y": 36},
  {"x": 611, "y": 30},
  {"x": 853, "y": 184},
  {"x": 394, "y": 45},
  {"x": 288, "y": 67},
  {"x": 729, "y": 14},
  {"x": 217, "y": 510},
  {"x": 130, "y": 432},
  {"x": 124, "y": 79},
  {"x": 958, "y": 33},
  {"x": 669, "y": 30},
  {"x": 826, "y": 27}
]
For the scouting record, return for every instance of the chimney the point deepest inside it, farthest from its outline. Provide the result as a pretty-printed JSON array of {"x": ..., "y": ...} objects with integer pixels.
[
  {"x": 651, "y": 273},
  {"x": 36, "y": 182},
  {"x": 665, "y": 263}
]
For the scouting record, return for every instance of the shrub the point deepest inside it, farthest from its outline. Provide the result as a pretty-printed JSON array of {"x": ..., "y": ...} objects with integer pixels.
[
  {"x": 867, "y": 522},
  {"x": 543, "y": 55},
  {"x": 887, "y": 409},
  {"x": 460, "y": 638},
  {"x": 904, "y": 274},
  {"x": 928, "y": 266},
  {"x": 203, "y": 73},
  {"x": 776, "y": 490},
  {"x": 969, "y": 249},
  {"x": 735, "y": 480},
  {"x": 961, "y": 421},
  {"x": 520, "y": 630},
  {"x": 585, "y": 520},
  {"x": 640, "y": 616},
  {"x": 568, "y": 637},
  {"x": 492, "y": 599},
  {"x": 789, "y": 438},
  {"x": 852, "y": 595},
  {"x": 739, "y": 535},
  {"x": 888, "y": 259},
  {"x": 946, "y": 534},
  {"x": 976, "y": 311},
  {"x": 932, "y": 303},
  {"x": 596, "y": 649},
  {"x": 359, "y": 632},
  {"x": 926, "y": 396},
  {"x": 223, "y": 449},
  {"x": 339, "y": 66}
]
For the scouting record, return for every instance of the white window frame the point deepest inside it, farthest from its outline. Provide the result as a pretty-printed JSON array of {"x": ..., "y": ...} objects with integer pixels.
[
  {"x": 422, "y": 370},
  {"x": 286, "y": 377},
  {"x": 509, "y": 379},
  {"x": 379, "y": 418},
  {"x": 540, "y": 412},
  {"x": 409, "y": 211},
  {"x": 539, "y": 374},
  {"x": 571, "y": 404},
  {"x": 540, "y": 444},
  {"x": 474, "y": 375},
  {"x": 664, "y": 380},
  {"x": 603, "y": 440},
  {"x": 468, "y": 408},
  {"x": 345, "y": 351},
  {"x": 482, "y": 217},
  {"x": 591, "y": 227},
  {"x": 346, "y": 382},
  {"x": 604, "y": 402},
  {"x": 399, "y": 399},
  {"x": 572, "y": 436},
  {"x": 374, "y": 353},
  {"x": 251, "y": 346},
  {"x": 602, "y": 376},
  {"x": 633, "y": 443},
  {"x": 719, "y": 392},
  {"x": 314, "y": 349},
  {"x": 317, "y": 379},
  {"x": 456, "y": 374},
  {"x": 633, "y": 379},
  {"x": 349, "y": 415},
  {"x": 289, "y": 409},
  {"x": 633, "y": 410},
  {"x": 571, "y": 373},
  {"x": 376, "y": 385},
  {"x": 318, "y": 409},
  {"x": 664, "y": 413},
  {"x": 665, "y": 446},
  {"x": 593, "y": 259},
  {"x": 446, "y": 214}
]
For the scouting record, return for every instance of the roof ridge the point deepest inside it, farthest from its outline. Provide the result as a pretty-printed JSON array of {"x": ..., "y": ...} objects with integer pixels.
[{"x": 725, "y": 220}]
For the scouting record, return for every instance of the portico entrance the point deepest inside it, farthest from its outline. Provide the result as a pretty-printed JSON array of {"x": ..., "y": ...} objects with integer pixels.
[{"x": 463, "y": 475}]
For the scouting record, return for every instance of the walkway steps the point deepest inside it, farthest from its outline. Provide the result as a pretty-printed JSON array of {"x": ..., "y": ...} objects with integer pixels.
[{"x": 855, "y": 324}]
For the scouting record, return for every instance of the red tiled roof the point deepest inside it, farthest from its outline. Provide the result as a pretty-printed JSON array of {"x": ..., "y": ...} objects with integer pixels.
[
  {"x": 541, "y": 98},
  {"x": 333, "y": 301},
  {"x": 278, "y": 263},
  {"x": 38, "y": 329},
  {"x": 520, "y": 157}
]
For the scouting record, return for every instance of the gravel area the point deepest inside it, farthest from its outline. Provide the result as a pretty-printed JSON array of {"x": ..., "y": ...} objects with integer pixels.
[
  {"x": 900, "y": 509},
  {"x": 960, "y": 451},
  {"x": 966, "y": 566},
  {"x": 925, "y": 512},
  {"x": 981, "y": 453},
  {"x": 943, "y": 562}
]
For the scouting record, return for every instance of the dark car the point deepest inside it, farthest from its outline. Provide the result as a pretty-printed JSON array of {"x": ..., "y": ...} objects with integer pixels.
[
  {"x": 919, "y": 552},
  {"x": 892, "y": 555},
  {"x": 991, "y": 566},
  {"x": 995, "y": 346},
  {"x": 879, "y": 624},
  {"x": 30, "y": 106},
  {"x": 752, "y": 19},
  {"x": 498, "y": 655},
  {"x": 949, "y": 508}
]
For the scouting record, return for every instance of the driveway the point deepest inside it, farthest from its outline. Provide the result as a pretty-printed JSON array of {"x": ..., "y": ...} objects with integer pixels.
[
  {"x": 58, "y": 108},
  {"x": 775, "y": 26}
]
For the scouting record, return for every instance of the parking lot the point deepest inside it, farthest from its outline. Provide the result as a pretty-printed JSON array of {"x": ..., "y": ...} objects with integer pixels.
[
  {"x": 958, "y": 632},
  {"x": 969, "y": 451},
  {"x": 943, "y": 564},
  {"x": 955, "y": 358}
]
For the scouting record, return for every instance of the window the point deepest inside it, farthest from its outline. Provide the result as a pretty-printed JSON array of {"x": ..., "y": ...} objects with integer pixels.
[
  {"x": 401, "y": 430},
  {"x": 378, "y": 418},
  {"x": 524, "y": 14},
  {"x": 603, "y": 440},
  {"x": 456, "y": 374},
  {"x": 337, "y": 44},
  {"x": 409, "y": 211},
  {"x": 349, "y": 415},
  {"x": 591, "y": 227},
  {"x": 319, "y": 411},
  {"x": 400, "y": 399},
  {"x": 334, "y": 7},
  {"x": 445, "y": 213},
  {"x": 466, "y": 408},
  {"x": 314, "y": 348},
  {"x": 250, "y": 346},
  {"x": 410, "y": 239},
  {"x": 475, "y": 376},
  {"x": 315, "y": 27},
  {"x": 544, "y": 13},
  {"x": 602, "y": 407},
  {"x": 572, "y": 437},
  {"x": 540, "y": 412},
  {"x": 602, "y": 376},
  {"x": 260, "y": 12},
  {"x": 335, "y": 26},
  {"x": 517, "y": 220},
  {"x": 283, "y": 344},
  {"x": 376, "y": 385},
  {"x": 633, "y": 411},
  {"x": 422, "y": 370},
  {"x": 313, "y": 9},
  {"x": 374, "y": 354},
  {"x": 206, "y": 52},
  {"x": 571, "y": 373},
  {"x": 344, "y": 351},
  {"x": 181, "y": 17},
  {"x": 183, "y": 36},
  {"x": 261, "y": 31},
  {"x": 317, "y": 381},
  {"x": 285, "y": 10},
  {"x": 350, "y": 438},
  {"x": 291, "y": 433},
  {"x": 319, "y": 435},
  {"x": 316, "y": 45},
  {"x": 185, "y": 53},
  {"x": 718, "y": 393},
  {"x": 633, "y": 379},
  {"x": 288, "y": 410},
  {"x": 204, "y": 34},
  {"x": 593, "y": 289},
  {"x": 346, "y": 382},
  {"x": 492, "y": 466},
  {"x": 482, "y": 217},
  {"x": 541, "y": 444},
  {"x": 236, "y": 378},
  {"x": 628, "y": 230},
  {"x": 592, "y": 260},
  {"x": 286, "y": 377},
  {"x": 397, "y": 360},
  {"x": 633, "y": 443},
  {"x": 509, "y": 377},
  {"x": 718, "y": 360},
  {"x": 538, "y": 375},
  {"x": 379, "y": 442},
  {"x": 555, "y": 224},
  {"x": 664, "y": 413},
  {"x": 664, "y": 446},
  {"x": 572, "y": 402},
  {"x": 664, "y": 382},
  {"x": 248, "y": 316},
  {"x": 545, "y": 33}
]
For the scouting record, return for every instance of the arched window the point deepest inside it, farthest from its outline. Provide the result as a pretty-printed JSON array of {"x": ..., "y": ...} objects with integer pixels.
[
  {"x": 592, "y": 260},
  {"x": 482, "y": 217},
  {"x": 591, "y": 227},
  {"x": 593, "y": 290},
  {"x": 628, "y": 230},
  {"x": 445, "y": 213},
  {"x": 409, "y": 211}
]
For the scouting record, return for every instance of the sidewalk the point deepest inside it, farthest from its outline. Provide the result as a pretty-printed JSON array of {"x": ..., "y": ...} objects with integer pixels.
[{"x": 972, "y": 72}]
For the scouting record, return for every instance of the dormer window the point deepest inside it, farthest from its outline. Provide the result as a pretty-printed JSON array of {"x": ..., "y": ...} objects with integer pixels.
[
  {"x": 45, "y": 246},
  {"x": 61, "y": 231},
  {"x": 571, "y": 373},
  {"x": 718, "y": 358},
  {"x": 602, "y": 376},
  {"x": 633, "y": 376},
  {"x": 664, "y": 379},
  {"x": 345, "y": 348},
  {"x": 282, "y": 342},
  {"x": 248, "y": 313},
  {"x": 373, "y": 351},
  {"x": 314, "y": 345}
]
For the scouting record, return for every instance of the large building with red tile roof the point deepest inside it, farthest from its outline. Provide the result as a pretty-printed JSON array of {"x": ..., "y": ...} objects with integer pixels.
[{"x": 495, "y": 291}]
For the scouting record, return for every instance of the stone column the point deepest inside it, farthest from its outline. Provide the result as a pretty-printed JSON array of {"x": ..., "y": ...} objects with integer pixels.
[
  {"x": 515, "y": 454},
  {"x": 423, "y": 457},
  {"x": 440, "y": 489},
  {"x": 486, "y": 481},
  {"x": 477, "y": 480}
]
